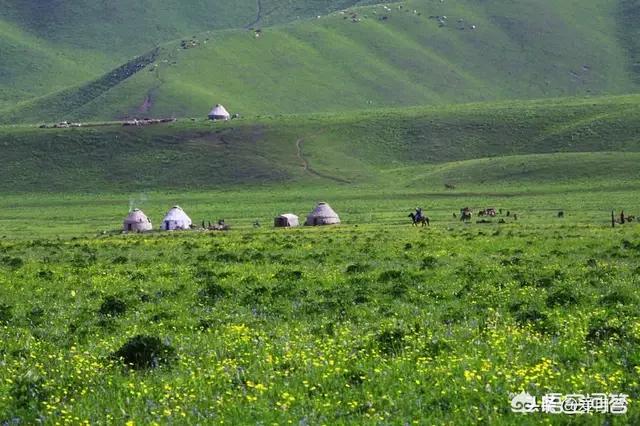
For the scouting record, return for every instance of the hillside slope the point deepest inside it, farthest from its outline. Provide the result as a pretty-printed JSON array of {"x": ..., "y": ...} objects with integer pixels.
[
  {"x": 33, "y": 66},
  {"x": 56, "y": 44},
  {"x": 553, "y": 141},
  {"x": 372, "y": 57}
]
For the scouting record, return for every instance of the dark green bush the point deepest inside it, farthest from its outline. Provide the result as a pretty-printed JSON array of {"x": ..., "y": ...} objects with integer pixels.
[
  {"x": 113, "y": 306},
  {"x": 145, "y": 352}
]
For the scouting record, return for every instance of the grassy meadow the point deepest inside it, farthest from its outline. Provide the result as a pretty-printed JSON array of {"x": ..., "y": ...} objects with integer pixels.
[
  {"x": 370, "y": 322},
  {"x": 575, "y": 140},
  {"x": 374, "y": 107},
  {"x": 46, "y": 48},
  {"x": 342, "y": 55}
]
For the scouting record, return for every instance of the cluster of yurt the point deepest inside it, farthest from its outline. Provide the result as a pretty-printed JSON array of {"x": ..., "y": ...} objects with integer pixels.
[
  {"x": 175, "y": 219},
  {"x": 321, "y": 215}
]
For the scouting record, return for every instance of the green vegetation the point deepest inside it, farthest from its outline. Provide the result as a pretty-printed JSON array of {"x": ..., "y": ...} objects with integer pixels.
[
  {"x": 50, "y": 45},
  {"x": 628, "y": 14},
  {"x": 401, "y": 57},
  {"x": 31, "y": 66},
  {"x": 464, "y": 145},
  {"x": 362, "y": 324},
  {"x": 369, "y": 322}
]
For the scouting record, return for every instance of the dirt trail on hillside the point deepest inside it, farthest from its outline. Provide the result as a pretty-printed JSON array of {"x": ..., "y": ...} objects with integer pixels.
[
  {"x": 307, "y": 167},
  {"x": 258, "y": 15}
]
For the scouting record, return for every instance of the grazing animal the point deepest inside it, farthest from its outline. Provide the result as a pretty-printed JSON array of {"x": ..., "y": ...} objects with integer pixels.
[
  {"x": 560, "y": 213},
  {"x": 220, "y": 226},
  {"x": 422, "y": 220},
  {"x": 487, "y": 212}
]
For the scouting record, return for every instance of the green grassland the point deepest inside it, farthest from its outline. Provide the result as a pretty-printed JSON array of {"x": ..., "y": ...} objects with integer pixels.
[
  {"x": 48, "y": 46},
  {"x": 368, "y": 324},
  {"x": 373, "y": 321},
  {"x": 395, "y": 58},
  {"x": 33, "y": 66},
  {"x": 467, "y": 146}
]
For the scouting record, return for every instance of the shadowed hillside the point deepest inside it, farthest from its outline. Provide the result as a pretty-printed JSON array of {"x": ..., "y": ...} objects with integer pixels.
[
  {"x": 629, "y": 23},
  {"x": 373, "y": 57},
  {"x": 463, "y": 145}
]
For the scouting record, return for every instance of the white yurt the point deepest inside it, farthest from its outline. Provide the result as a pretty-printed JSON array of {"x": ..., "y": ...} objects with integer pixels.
[
  {"x": 323, "y": 214},
  {"x": 137, "y": 221},
  {"x": 287, "y": 220},
  {"x": 219, "y": 112},
  {"x": 176, "y": 218}
]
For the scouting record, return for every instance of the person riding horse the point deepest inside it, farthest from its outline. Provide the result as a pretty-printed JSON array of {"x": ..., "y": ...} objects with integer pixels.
[{"x": 419, "y": 218}]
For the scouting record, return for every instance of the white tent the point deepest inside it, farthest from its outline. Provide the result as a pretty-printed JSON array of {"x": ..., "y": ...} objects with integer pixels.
[
  {"x": 176, "y": 218},
  {"x": 287, "y": 220},
  {"x": 219, "y": 112},
  {"x": 323, "y": 214},
  {"x": 137, "y": 221}
]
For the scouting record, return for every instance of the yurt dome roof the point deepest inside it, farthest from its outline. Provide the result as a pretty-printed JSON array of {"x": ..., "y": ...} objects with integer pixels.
[
  {"x": 219, "y": 111},
  {"x": 323, "y": 210},
  {"x": 289, "y": 216},
  {"x": 177, "y": 214},
  {"x": 135, "y": 216}
]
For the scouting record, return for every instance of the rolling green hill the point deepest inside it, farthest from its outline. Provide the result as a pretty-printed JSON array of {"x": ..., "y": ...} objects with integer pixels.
[
  {"x": 33, "y": 66},
  {"x": 376, "y": 56},
  {"x": 49, "y": 45},
  {"x": 515, "y": 143}
]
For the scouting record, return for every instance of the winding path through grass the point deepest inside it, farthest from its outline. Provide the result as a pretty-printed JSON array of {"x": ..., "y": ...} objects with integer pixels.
[
  {"x": 258, "y": 15},
  {"x": 307, "y": 167}
]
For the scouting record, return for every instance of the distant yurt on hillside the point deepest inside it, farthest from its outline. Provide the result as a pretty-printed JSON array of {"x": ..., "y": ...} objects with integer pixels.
[
  {"x": 323, "y": 214},
  {"x": 176, "y": 218},
  {"x": 219, "y": 113},
  {"x": 287, "y": 220},
  {"x": 137, "y": 221}
]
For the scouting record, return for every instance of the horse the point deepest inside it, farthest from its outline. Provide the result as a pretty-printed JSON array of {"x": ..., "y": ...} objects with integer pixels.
[
  {"x": 465, "y": 215},
  {"x": 423, "y": 220}
]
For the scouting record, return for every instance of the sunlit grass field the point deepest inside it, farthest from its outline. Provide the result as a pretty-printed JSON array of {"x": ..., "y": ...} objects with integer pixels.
[
  {"x": 372, "y": 321},
  {"x": 319, "y": 58}
]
